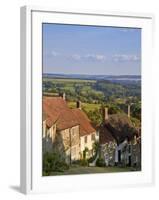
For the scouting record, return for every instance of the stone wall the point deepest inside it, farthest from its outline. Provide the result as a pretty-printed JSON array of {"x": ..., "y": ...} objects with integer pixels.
[
  {"x": 108, "y": 153},
  {"x": 71, "y": 142},
  {"x": 65, "y": 142},
  {"x": 48, "y": 137},
  {"x": 130, "y": 154},
  {"x": 136, "y": 155}
]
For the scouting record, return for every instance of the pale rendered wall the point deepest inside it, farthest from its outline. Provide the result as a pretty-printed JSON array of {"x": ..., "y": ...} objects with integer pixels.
[{"x": 89, "y": 143}]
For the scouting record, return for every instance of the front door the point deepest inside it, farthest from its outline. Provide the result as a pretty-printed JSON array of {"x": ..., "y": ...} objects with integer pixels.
[{"x": 119, "y": 155}]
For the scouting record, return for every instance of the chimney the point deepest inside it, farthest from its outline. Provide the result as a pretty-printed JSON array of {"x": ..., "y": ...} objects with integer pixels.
[
  {"x": 129, "y": 111},
  {"x": 78, "y": 104},
  {"x": 105, "y": 114},
  {"x": 64, "y": 96}
]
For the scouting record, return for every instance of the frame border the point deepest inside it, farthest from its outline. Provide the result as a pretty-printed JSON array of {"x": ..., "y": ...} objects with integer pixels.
[{"x": 26, "y": 81}]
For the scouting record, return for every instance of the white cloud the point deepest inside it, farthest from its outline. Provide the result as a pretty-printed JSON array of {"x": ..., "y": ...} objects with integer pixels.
[
  {"x": 125, "y": 57},
  {"x": 76, "y": 56},
  {"x": 98, "y": 57},
  {"x": 54, "y": 53},
  {"x": 88, "y": 57}
]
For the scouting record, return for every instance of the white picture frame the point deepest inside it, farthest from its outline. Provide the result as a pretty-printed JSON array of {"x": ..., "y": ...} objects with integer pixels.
[{"x": 31, "y": 99}]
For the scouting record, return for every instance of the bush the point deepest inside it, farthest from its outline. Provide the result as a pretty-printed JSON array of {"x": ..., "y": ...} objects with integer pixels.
[
  {"x": 96, "y": 151},
  {"x": 85, "y": 152},
  {"x": 91, "y": 159},
  {"x": 84, "y": 162},
  {"x": 53, "y": 162},
  {"x": 100, "y": 162}
]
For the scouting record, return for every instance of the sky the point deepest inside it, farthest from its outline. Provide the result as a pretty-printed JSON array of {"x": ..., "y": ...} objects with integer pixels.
[{"x": 93, "y": 50}]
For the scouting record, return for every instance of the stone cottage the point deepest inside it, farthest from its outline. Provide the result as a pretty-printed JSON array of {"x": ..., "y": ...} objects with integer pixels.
[
  {"x": 66, "y": 131},
  {"x": 88, "y": 135},
  {"x": 120, "y": 142}
]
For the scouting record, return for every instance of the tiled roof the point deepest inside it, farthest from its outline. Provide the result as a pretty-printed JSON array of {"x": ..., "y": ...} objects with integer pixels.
[
  {"x": 85, "y": 124},
  {"x": 66, "y": 120},
  {"x": 55, "y": 110}
]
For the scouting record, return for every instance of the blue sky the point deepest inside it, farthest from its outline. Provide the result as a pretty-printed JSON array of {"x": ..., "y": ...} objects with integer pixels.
[{"x": 76, "y": 49}]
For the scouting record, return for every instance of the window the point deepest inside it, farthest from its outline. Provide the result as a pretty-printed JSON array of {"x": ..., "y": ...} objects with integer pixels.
[
  {"x": 85, "y": 139},
  {"x": 93, "y": 137},
  {"x": 119, "y": 155}
]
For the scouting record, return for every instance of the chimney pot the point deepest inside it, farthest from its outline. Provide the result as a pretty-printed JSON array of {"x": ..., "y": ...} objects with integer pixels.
[
  {"x": 78, "y": 104},
  {"x": 129, "y": 111},
  {"x": 64, "y": 96},
  {"x": 105, "y": 114}
]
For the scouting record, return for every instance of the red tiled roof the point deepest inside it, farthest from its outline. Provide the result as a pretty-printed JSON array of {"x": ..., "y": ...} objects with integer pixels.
[
  {"x": 55, "y": 110},
  {"x": 48, "y": 115},
  {"x": 66, "y": 120},
  {"x": 85, "y": 124}
]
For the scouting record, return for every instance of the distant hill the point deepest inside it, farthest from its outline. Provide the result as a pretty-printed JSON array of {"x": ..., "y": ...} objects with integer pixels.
[{"x": 113, "y": 78}]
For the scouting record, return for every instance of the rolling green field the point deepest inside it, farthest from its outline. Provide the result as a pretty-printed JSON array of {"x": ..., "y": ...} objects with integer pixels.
[
  {"x": 65, "y": 80},
  {"x": 96, "y": 93},
  {"x": 86, "y": 106}
]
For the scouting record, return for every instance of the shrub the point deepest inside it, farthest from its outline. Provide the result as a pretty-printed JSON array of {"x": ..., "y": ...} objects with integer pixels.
[
  {"x": 91, "y": 159},
  {"x": 100, "y": 162},
  {"x": 96, "y": 151},
  {"x": 85, "y": 152},
  {"x": 53, "y": 162},
  {"x": 84, "y": 162}
]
